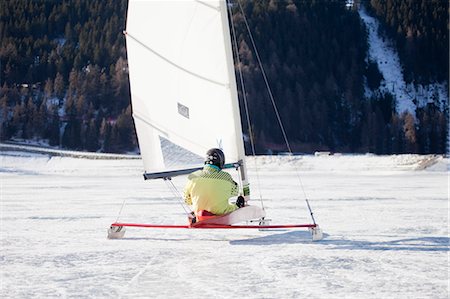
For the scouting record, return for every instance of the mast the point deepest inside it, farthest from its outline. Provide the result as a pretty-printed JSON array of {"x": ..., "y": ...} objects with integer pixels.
[{"x": 234, "y": 97}]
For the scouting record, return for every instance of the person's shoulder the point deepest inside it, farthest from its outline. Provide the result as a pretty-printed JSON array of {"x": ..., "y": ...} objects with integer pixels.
[
  {"x": 223, "y": 175},
  {"x": 195, "y": 174}
]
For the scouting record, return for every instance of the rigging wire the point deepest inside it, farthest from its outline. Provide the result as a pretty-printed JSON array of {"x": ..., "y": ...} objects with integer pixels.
[
  {"x": 120, "y": 211},
  {"x": 269, "y": 90},
  {"x": 247, "y": 114},
  {"x": 178, "y": 195}
]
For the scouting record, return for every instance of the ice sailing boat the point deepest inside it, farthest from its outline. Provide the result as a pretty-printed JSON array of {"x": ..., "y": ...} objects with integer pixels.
[{"x": 184, "y": 96}]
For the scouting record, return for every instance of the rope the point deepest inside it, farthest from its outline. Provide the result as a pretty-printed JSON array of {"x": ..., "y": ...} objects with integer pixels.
[
  {"x": 247, "y": 113},
  {"x": 269, "y": 90}
]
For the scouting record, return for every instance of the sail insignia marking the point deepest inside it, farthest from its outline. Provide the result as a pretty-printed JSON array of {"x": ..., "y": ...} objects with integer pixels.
[{"x": 183, "y": 110}]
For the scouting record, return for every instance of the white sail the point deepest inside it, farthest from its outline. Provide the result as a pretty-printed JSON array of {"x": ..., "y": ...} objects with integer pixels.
[{"x": 182, "y": 80}]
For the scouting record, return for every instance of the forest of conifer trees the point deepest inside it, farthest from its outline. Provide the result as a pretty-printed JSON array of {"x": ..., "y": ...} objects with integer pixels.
[{"x": 64, "y": 76}]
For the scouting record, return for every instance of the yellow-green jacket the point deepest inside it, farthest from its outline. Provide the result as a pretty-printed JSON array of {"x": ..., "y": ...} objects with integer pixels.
[{"x": 209, "y": 189}]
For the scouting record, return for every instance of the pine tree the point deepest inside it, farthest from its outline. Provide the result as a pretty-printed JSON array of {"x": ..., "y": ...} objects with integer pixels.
[
  {"x": 48, "y": 89},
  {"x": 18, "y": 120},
  {"x": 105, "y": 136},
  {"x": 59, "y": 86},
  {"x": 125, "y": 130},
  {"x": 409, "y": 130},
  {"x": 72, "y": 134},
  {"x": 92, "y": 136},
  {"x": 80, "y": 105},
  {"x": 53, "y": 128},
  {"x": 397, "y": 133}
]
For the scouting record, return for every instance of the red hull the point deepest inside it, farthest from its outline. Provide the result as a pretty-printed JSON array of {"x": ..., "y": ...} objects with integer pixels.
[{"x": 214, "y": 226}]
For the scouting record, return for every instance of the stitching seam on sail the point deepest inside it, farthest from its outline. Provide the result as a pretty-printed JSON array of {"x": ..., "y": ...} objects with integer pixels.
[
  {"x": 141, "y": 118},
  {"x": 165, "y": 133},
  {"x": 174, "y": 64},
  {"x": 208, "y": 5}
]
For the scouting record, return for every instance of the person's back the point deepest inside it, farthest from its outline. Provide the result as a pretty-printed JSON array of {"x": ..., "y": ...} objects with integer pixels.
[{"x": 209, "y": 190}]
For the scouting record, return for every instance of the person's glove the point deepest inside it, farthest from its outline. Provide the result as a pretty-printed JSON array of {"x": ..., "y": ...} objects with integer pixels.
[
  {"x": 240, "y": 202},
  {"x": 192, "y": 218}
]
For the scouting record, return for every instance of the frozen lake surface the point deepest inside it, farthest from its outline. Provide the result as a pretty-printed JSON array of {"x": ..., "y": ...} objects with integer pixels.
[{"x": 385, "y": 220}]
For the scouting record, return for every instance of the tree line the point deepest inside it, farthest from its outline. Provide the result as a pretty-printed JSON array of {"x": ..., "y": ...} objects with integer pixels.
[
  {"x": 420, "y": 30},
  {"x": 314, "y": 54},
  {"x": 64, "y": 75}
]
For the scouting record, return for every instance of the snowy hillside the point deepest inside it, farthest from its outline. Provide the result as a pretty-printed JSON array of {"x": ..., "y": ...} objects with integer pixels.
[
  {"x": 408, "y": 96},
  {"x": 385, "y": 221}
]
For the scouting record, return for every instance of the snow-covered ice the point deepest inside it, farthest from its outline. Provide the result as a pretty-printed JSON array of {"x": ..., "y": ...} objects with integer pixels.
[{"x": 385, "y": 220}]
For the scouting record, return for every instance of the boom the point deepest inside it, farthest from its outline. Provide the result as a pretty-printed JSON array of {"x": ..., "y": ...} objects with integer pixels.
[{"x": 173, "y": 173}]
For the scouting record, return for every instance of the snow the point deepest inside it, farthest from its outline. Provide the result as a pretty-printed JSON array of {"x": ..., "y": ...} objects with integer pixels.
[
  {"x": 60, "y": 41},
  {"x": 41, "y": 147},
  {"x": 384, "y": 53},
  {"x": 385, "y": 220}
]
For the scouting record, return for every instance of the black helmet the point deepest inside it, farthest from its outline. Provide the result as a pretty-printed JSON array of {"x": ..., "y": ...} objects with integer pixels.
[{"x": 216, "y": 157}]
